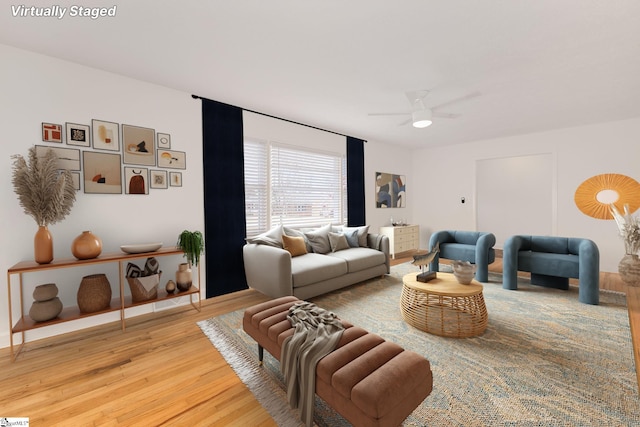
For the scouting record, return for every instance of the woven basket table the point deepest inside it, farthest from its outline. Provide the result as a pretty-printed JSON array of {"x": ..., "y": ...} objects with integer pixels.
[{"x": 443, "y": 306}]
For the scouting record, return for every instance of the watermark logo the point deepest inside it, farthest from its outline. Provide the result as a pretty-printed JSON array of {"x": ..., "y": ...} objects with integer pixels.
[
  {"x": 11, "y": 422},
  {"x": 60, "y": 12}
]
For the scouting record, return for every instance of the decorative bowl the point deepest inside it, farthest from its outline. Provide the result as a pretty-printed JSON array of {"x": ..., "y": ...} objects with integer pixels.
[
  {"x": 141, "y": 248},
  {"x": 464, "y": 271}
]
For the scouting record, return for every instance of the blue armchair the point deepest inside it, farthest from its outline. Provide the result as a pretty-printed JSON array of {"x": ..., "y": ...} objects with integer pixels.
[
  {"x": 473, "y": 246},
  {"x": 552, "y": 261}
]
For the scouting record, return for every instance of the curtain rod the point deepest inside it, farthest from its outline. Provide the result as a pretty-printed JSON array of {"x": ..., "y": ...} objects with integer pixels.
[{"x": 280, "y": 118}]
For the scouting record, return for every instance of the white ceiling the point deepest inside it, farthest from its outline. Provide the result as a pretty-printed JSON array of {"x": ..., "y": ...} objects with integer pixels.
[{"x": 538, "y": 64}]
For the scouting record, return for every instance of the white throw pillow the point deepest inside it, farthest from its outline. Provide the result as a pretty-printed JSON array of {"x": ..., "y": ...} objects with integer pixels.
[{"x": 272, "y": 237}]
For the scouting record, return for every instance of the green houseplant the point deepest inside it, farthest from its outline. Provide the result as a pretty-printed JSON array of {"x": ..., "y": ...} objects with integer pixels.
[
  {"x": 192, "y": 243},
  {"x": 45, "y": 193}
]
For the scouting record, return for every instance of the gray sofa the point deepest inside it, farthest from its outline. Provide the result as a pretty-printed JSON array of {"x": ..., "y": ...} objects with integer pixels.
[
  {"x": 473, "y": 246},
  {"x": 272, "y": 269},
  {"x": 552, "y": 261}
]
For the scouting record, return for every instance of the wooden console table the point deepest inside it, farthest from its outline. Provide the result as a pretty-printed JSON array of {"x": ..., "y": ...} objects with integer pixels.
[
  {"x": 120, "y": 303},
  {"x": 633, "y": 306}
]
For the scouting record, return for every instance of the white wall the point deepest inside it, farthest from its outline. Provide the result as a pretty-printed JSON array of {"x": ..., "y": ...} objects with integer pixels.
[
  {"x": 580, "y": 153},
  {"x": 380, "y": 157},
  {"x": 36, "y": 89}
]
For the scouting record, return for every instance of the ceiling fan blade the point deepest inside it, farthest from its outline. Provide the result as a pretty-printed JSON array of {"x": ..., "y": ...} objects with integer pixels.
[
  {"x": 404, "y": 123},
  {"x": 389, "y": 114},
  {"x": 462, "y": 98},
  {"x": 445, "y": 115}
]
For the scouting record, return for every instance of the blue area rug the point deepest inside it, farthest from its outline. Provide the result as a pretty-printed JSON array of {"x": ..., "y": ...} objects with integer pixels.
[{"x": 544, "y": 360}]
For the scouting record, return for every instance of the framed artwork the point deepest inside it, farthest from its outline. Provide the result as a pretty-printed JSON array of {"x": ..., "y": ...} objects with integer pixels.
[
  {"x": 68, "y": 158},
  {"x": 138, "y": 146},
  {"x": 158, "y": 179},
  {"x": 175, "y": 179},
  {"x": 164, "y": 140},
  {"x": 390, "y": 190},
  {"x": 105, "y": 135},
  {"x": 102, "y": 173},
  {"x": 78, "y": 134},
  {"x": 172, "y": 159},
  {"x": 76, "y": 180},
  {"x": 51, "y": 132},
  {"x": 136, "y": 180}
]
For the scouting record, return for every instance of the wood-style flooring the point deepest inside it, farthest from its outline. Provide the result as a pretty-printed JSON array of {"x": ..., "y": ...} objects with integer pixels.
[{"x": 161, "y": 371}]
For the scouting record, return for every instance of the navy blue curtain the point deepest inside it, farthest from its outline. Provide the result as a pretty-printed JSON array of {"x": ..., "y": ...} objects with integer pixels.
[
  {"x": 355, "y": 182},
  {"x": 224, "y": 212}
]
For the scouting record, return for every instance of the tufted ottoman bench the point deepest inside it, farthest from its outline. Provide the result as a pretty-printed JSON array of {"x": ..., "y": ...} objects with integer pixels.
[{"x": 369, "y": 381}]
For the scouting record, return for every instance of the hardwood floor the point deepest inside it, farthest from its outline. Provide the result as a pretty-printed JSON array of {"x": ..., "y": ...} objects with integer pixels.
[{"x": 161, "y": 371}]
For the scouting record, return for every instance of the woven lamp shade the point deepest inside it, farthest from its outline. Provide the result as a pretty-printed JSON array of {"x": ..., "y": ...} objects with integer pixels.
[{"x": 586, "y": 196}]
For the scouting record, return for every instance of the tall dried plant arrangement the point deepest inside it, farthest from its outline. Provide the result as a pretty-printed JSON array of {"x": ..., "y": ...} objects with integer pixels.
[{"x": 45, "y": 193}]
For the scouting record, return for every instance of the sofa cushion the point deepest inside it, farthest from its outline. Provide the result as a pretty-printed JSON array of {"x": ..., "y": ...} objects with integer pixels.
[
  {"x": 560, "y": 265},
  {"x": 338, "y": 242},
  {"x": 555, "y": 245},
  {"x": 319, "y": 239},
  {"x": 352, "y": 237},
  {"x": 466, "y": 237},
  {"x": 358, "y": 259},
  {"x": 272, "y": 237},
  {"x": 362, "y": 234},
  {"x": 295, "y": 245},
  {"x": 292, "y": 232},
  {"x": 312, "y": 268},
  {"x": 457, "y": 251}
]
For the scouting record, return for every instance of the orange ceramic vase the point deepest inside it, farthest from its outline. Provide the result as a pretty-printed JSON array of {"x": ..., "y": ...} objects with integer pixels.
[
  {"x": 86, "y": 246},
  {"x": 43, "y": 245}
]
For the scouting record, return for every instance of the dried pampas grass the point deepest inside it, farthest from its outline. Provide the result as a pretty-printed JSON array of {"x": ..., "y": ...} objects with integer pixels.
[{"x": 45, "y": 192}]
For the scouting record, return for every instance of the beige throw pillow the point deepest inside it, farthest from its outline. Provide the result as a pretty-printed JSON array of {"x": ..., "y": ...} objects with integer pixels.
[
  {"x": 338, "y": 242},
  {"x": 295, "y": 245}
]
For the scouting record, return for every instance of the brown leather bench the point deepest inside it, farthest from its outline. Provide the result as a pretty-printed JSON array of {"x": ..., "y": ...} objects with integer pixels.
[{"x": 369, "y": 381}]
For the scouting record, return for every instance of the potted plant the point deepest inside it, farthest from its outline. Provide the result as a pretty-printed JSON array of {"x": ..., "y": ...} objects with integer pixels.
[
  {"x": 45, "y": 193},
  {"x": 192, "y": 243}
]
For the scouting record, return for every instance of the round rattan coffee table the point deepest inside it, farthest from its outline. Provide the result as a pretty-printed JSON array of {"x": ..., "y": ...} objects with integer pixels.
[{"x": 443, "y": 306}]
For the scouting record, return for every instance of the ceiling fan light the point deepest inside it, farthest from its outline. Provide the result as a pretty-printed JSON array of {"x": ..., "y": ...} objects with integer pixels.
[{"x": 421, "y": 118}]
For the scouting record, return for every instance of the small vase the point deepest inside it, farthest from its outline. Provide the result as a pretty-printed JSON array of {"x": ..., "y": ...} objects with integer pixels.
[
  {"x": 86, "y": 246},
  {"x": 183, "y": 277},
  {"x": 43, "y": 246},
  {"x": 629, "y": 269}
]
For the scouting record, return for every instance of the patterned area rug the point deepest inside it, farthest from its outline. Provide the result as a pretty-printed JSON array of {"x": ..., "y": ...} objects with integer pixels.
[{"x": 544, "y": 360}]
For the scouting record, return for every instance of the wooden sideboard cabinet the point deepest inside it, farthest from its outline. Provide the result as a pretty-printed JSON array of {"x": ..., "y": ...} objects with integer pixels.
[
  {"x": 402, "y": 238},
  {"x": 120, "y": 302}
]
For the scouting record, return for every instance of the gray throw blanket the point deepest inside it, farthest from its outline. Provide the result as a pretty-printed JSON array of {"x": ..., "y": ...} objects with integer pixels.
[{"x": 317, "y": 332}]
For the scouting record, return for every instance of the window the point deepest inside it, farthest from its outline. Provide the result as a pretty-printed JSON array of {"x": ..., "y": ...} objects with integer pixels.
[{"x": 292, "y": 186}]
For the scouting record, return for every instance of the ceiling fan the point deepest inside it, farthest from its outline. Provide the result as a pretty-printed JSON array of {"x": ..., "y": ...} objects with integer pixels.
[{"x": 421, "y": 116}]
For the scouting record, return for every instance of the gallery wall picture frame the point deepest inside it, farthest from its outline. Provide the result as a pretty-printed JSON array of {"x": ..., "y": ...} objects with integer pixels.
[
  {"x": 105, "y": 135},
  {"x": 391, "y": 190},
  {"x": 164, "y": 140},
  {"x": 76, "y": 180},
  {"x": 77, "y": 134},
  {"x": 172, "y": 159},
  {"x": 51, "y": 132},
  {"x": 158, "y": 179},
  {"x": 136, "y": 180},
  {"x": 68, "y": 158},
  {"x": 102, "y": 172},
  {"x": 175, "y": 179},
  {"x": 138, "y": 145}
]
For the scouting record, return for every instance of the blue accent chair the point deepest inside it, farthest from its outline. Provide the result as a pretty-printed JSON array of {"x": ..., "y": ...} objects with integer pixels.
[
  {"x": 552, "y": 261},
  {"x": 473, "y": 246}
]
